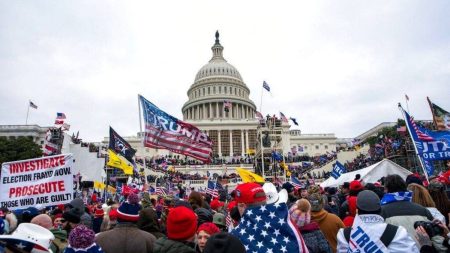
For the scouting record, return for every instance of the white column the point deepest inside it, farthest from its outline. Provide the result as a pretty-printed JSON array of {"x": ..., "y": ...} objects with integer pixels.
[
  {"x": 231, "y": 142},
  {"x": 204, "y": 111},
  {"x": 210, "y": 111},
  {"x": 219, "y": 143},
  {"x": 242, "y": 143},
  {"x": 217, "y": 109},
  {"x": 246, "y": 138}
]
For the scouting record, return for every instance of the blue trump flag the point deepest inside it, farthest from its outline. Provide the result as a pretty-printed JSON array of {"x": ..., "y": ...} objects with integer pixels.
[
  {"x": 338, "y": 170},
  {"x": 430, "y": 145}
]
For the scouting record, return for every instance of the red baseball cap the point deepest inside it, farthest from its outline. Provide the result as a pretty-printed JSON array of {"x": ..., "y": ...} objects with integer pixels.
[
  {"x": 356, "y": 185},
  {"x": 250, "y": 193}
]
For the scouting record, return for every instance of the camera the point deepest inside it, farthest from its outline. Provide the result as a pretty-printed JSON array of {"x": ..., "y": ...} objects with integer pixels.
[{"x": 431, "y": 228}]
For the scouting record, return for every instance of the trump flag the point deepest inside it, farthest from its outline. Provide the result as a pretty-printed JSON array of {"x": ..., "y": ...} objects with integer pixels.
[{"x": 167, "y": 132}]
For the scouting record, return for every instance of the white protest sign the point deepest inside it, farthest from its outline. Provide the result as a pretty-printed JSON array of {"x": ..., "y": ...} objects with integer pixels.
[{"x": 44, "y": 181}]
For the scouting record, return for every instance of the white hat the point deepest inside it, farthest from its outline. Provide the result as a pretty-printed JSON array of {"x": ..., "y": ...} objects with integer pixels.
[
  {"x": 272, "y": 196},
  {"x": 30, "y": 237}
]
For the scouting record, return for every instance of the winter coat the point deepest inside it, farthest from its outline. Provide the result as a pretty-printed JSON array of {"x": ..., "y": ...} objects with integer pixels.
[
  {"x": 329, "y": 225},
  {"x": 164, "y": 245},
  {"x": 125, "y": 237},
  {"x": 314, "y": 239},
  {"x": 60, "y": 243},
  {"x": 402, "y": 242},
  {"x": 404, "y": 213},
  {"x": 79, "y": 208}
]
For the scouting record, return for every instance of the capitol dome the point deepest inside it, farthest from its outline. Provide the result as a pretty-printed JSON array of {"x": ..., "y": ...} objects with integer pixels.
[{"x": 218, "y": 91}]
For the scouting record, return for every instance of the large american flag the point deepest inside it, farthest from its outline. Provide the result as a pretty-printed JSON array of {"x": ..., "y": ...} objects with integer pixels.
[
  {"x": 296, "y": 183},
  {"x": 268, "y": 229},
  {"x": 167, "y": 132}
]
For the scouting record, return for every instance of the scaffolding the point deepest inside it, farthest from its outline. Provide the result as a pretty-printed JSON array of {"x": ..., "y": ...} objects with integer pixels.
[{"x": 270, "y": 139}]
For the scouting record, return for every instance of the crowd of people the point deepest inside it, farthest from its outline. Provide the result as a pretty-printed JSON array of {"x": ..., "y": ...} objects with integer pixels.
[{"x": 391, "y": 215}]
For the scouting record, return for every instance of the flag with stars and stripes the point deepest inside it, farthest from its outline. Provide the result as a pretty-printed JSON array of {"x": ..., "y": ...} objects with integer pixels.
[
  {"x": 296, "y": 183},
  {"x": 212, "y": 189},
  {"x": 163, "y": 131},
  {"x": 268, "y": 229},
  {"x": 161, "y": 191}
]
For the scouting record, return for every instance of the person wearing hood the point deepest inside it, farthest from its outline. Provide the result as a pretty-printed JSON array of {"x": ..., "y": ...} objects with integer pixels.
[
  {"x": 314, "y": 239},
  {"x": 203, "y": 215},
  {"x": 329, "y": 223},
  {"x": 291, "y": 191},
  {"x": 79, "y": 208},
  {"x": 148, "y": 221}
]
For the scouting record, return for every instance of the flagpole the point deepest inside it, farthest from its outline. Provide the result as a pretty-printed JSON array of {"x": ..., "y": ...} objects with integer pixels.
[
  {"x": 262, "y": 156},
  {"x": 140, "y": 132},
  {"x": 414, "y": 143},
  {"x": 260, "y": 102},
  {"x": 28, "y": 110},
  {"x": 407, "y": 105}
]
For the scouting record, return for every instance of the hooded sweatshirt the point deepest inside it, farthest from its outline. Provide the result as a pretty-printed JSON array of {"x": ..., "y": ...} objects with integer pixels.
[
  {"x": 148, "y": 221},
  {"x": 329, "y": 225}
]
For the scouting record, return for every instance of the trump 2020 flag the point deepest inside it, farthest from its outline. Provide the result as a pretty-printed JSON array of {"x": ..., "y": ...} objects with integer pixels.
[
  {"x": 268, "y": 228},
  {"x": 338, "y": 170},
  {"x": 167, "y": 132},
  {"x": 120, "y": 146}
]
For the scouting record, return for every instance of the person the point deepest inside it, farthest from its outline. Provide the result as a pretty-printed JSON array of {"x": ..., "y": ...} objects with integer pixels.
[
  {"x": 80, "y": 209},
  {"x": 349, "y": 206},
  {"x": 126, "y": 236},
  {"x": 291, "y": 191},
  {"x": 219, "y": 220},
  {"x": 60, "y": 241},
  {"x": 397, "y": 208},
  {"x": 439, "y": 196},
  {"x": 70, "y": 220},
  {"x": 205, "y": 231},
  {"x": 369, "y": 232},
  {"x": 98, "y": 218},
  {"x": 181, "y": 227},
  {"x": 148, "y": 221},
  {"x": 249, "y": 195},
  {"x": 314, "y": 239},
  {"x": 421, "y": 196},
  {"x": 27, "y": 237},
  {"x": 437, "y": 242},
  {"x": 224, "y": 243},
  {"x": 329, "y": 223},
  {"x": 82, "y": 240}
]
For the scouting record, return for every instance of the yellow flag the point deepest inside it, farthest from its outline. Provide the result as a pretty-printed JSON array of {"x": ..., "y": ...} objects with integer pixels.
[
  {"x": 286, "y": 168},
  {"x": 111, "y": 189},
  {"x": 99, "y": 185},
  {"x": 248, "y": 177},
  {"x": 119, "y": 162}
]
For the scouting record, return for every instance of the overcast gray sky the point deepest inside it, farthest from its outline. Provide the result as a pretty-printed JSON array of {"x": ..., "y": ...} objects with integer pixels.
[{"x": 337, "y": 66}]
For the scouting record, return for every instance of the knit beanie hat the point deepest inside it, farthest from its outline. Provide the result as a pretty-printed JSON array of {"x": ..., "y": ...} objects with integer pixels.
[
  {"x": 43, "y": 220},
  {"x": 82, "y": 239},
  {"x": 181, "y": 223},
  {"x": 250, "y": 193},
  {"x": 224, "y": 243},
  {"x": 129, "y": 210},
  {"x": 209, "y": 227},
  {"x": 300, "y": 212},
  {"x": 71, "y": 216},
  {"x": 203, "y": 215}
]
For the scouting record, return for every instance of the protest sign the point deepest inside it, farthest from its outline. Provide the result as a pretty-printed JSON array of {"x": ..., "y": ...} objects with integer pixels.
[{"x": 45, "y": 181}]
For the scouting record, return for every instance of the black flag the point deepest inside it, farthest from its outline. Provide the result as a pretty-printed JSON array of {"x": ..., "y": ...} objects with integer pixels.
[{"x": 120, "y": 146}]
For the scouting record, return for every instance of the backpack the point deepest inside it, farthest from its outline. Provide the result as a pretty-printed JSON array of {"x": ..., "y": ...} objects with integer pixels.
[{"x": 386, "y": 238}]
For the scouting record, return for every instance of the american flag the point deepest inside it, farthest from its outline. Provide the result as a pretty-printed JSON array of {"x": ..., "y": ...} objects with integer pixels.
[
  {"x": 420, "y": 134},
  {"x": 212, "y": 189},
  {"x": 268, "y": 229},
  {"x": 229, "y": 221},
  {"x": 266, "y": 86},
  {"x": 296, "y": 183},
  {"x": 161, "y": 191},
  {"x": 259, "y": 115},
  {"x": 164, "y": 131},
  {"x": 60, "y": 115},
  {"x": 283, "y": 118}
]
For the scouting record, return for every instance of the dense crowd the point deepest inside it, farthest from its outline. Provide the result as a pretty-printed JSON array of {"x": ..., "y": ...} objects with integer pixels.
[{"x": 391, "y": 215}]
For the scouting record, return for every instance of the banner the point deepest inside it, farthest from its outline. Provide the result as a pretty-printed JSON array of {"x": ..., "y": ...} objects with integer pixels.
[
  {"x": 45, "y": 181},
  {"x": 167, "y": 132},
  {"x": 120, "y": 146}
]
